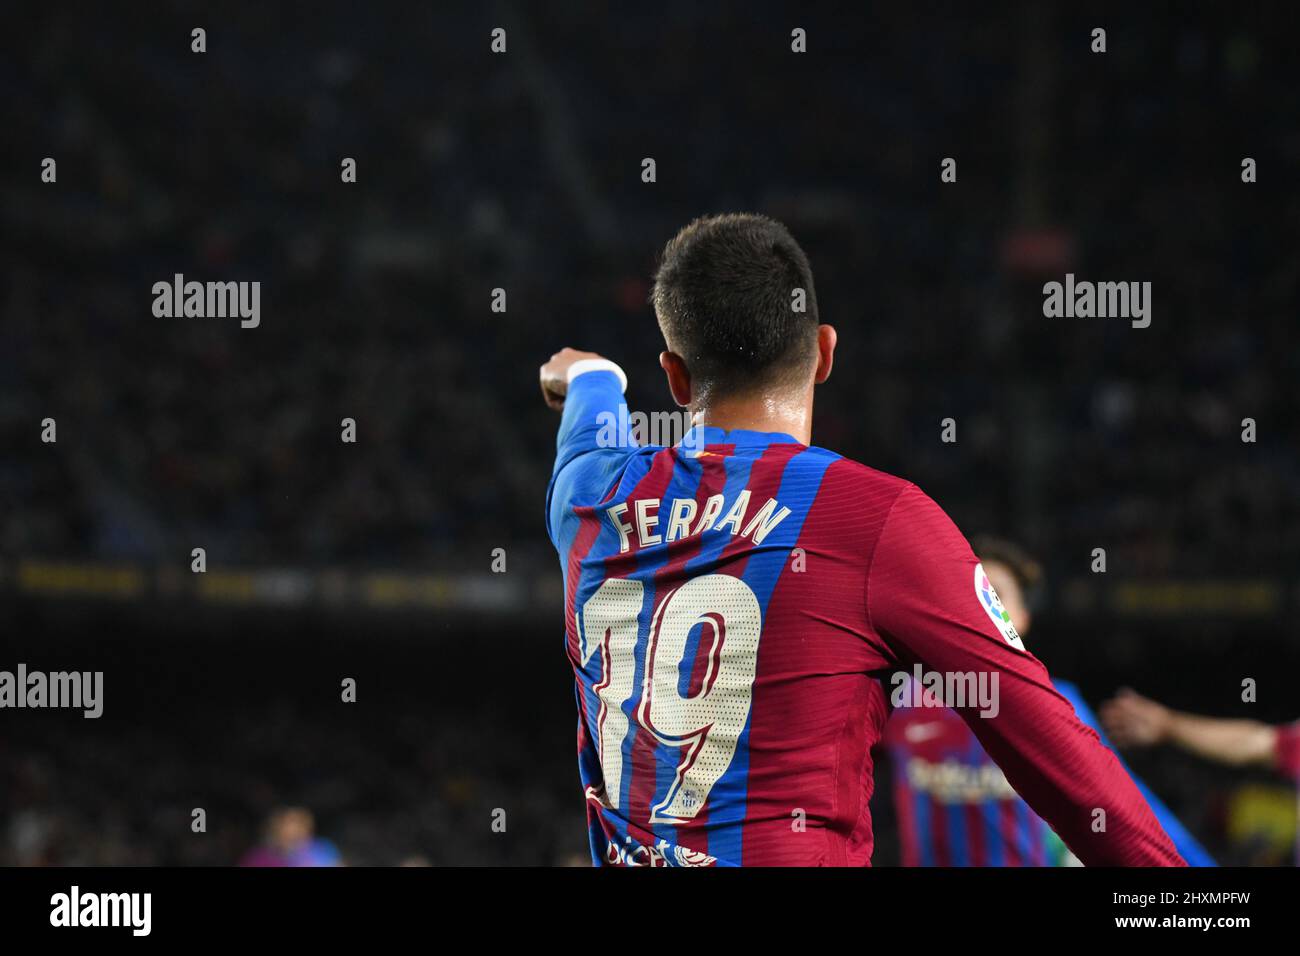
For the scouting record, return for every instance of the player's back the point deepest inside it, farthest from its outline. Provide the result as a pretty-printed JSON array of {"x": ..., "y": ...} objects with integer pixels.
[
  {"x": 717, "y": 626},
  {"x": 727, "y": 601}
]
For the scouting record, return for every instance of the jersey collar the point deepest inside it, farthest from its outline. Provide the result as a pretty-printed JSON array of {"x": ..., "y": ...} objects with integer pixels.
[{"x": 702, "y": 435}]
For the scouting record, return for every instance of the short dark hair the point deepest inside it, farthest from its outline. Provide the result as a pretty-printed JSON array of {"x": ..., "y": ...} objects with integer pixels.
[
  {"x": 724, "y": 296},
  {"x": 1023, "y": 567}
]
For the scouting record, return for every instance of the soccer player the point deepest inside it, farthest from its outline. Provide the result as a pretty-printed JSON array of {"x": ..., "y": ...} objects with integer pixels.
[
  {"x": 954, "y": 806},
  {"x": 731, "y": 600},
  {"x": 1136, "y": 721}
]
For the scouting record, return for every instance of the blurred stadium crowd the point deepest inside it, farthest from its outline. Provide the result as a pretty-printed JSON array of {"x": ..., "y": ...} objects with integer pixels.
[
  {"x": 242, "y": 719},
  {"x": 422, "y": 797},
  {"x": 523, "y": 172}
]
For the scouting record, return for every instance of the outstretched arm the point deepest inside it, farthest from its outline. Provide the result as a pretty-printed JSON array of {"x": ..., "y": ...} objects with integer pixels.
[{"x": 1134, "y": 720}]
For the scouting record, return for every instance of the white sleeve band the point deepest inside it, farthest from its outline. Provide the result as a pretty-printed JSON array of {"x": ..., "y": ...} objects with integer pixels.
[{"x": 582, "y": 366}]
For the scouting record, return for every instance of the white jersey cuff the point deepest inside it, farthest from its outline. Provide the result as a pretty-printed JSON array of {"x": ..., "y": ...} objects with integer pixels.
[{"x": 582, "y": 366}]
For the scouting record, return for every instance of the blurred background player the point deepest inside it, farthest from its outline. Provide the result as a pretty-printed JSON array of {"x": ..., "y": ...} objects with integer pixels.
[
  {"x": 290, "y": 840},
  {"x": 1137, "y": 721},
  {"x": 954, "y": 806}
]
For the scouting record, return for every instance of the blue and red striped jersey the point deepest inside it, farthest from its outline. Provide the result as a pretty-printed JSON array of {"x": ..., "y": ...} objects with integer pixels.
[
  {"x": 730, "y": 605},
  {"x": 956, "y": 808}
]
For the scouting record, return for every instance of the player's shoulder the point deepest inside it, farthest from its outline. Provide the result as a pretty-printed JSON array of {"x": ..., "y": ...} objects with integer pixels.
[
  {"x": 880, "y": 501},
  {"x": 851, "y": 476}
]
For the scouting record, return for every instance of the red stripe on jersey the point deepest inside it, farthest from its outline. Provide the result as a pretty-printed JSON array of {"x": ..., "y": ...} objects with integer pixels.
[
  {"x": 588, "y": 531},
  {"x": 816, "y": 710},
  {"x": 909, "y": 848},
  {"x": 1009, "y": 829}
]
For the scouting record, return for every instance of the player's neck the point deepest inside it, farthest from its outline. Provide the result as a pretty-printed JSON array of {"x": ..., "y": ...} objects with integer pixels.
[{"x": 789, "y": 414}]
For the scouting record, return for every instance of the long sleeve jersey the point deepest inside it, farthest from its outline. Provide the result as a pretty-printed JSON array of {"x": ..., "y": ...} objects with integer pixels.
[{"x": 732, "y": 605}]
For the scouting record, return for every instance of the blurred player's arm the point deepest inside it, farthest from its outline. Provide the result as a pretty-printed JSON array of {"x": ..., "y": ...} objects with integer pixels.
[
  {"x": 588, "y": 390},
  {"x": 1134, "y": 720},
  {"x": 922, "y": 600}
]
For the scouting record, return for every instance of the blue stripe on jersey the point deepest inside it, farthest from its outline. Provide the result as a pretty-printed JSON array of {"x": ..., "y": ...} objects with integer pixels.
[
  {"x": 958, "y": 842},
  {"x": 924, "y": 826},
  {"x": 991, "y": 811},
  {"x": 800, "y": 482},
  {"x": 1024, "y": 833}
]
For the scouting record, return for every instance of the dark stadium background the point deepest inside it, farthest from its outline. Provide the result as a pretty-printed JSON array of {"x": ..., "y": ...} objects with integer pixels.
[{"x": 522, "y": 171}]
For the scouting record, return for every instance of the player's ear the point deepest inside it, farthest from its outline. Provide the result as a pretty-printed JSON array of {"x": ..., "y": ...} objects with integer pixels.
[
  {"x": 678, "y": 375},
  {"x": 826, "y": 340}
]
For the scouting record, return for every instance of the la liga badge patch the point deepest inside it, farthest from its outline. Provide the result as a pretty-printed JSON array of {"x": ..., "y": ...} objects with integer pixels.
[{"x": 992, "y": 605}]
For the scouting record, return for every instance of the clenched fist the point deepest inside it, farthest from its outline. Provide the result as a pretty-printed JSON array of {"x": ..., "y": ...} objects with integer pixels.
[
  {"x": 1134, "y": 721},
  {"x": 555, "y": 375}
]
